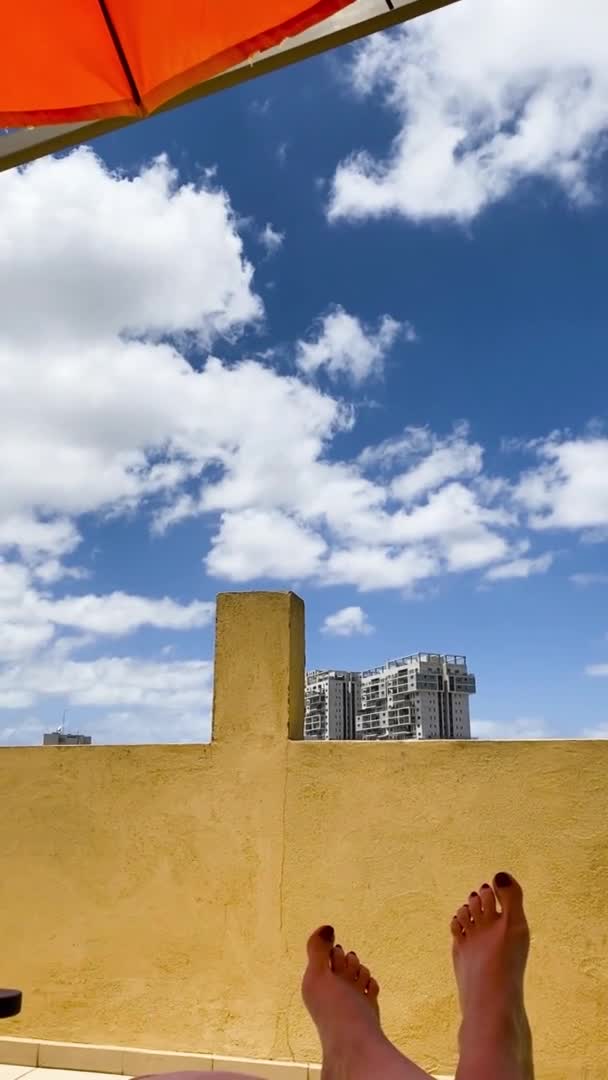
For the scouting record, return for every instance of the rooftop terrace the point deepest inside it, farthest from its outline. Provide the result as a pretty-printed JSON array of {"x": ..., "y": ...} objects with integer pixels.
[{"x": 157, "y": 898}]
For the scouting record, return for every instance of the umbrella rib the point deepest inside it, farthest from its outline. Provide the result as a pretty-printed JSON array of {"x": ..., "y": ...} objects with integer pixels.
[{"x": 120, "y": 52}]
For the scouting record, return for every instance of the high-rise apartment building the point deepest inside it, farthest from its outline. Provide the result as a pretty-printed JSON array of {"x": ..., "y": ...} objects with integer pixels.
[
  {"x": 332, "y": 702},
  {"x": 424, "y": 696}
]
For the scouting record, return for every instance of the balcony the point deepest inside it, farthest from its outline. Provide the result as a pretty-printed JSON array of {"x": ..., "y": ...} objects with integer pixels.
[
  {"x": 428, "y": 682},
  {"x": 157, "y": 898}
]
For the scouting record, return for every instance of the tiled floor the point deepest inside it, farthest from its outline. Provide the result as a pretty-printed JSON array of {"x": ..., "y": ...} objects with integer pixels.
[{"x": 16, "y": 1072}]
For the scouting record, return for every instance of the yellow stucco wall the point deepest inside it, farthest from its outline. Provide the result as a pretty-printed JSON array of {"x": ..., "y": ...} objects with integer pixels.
[{"x": 160, "y": 896}]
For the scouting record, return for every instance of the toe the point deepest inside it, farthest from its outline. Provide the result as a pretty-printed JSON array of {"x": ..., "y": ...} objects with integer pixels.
[
  {"x": 464, "y": 917},
  {"x": 488, "y": 900},
  {"x": 319, "y": 947},
  {"x": 510, "y": 895},
  {"x": 338, "y": 960},
  {"x": 373, "y": 989},
  {"x": 352, "y": 966},
  {"x": 474, "y": 906},
  {"x": 456, "y": 928},
  {"x": 364, "y": 977}
]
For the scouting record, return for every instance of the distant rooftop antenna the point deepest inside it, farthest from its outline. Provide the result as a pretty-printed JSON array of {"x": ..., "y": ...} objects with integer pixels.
[{"x": 61, "y": 728}]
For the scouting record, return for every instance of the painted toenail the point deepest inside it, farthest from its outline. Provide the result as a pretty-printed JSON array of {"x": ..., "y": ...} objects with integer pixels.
[
  {"x": 473, "y": 894},
  {"x": 334, "y": 955},
  {"x": 486, "y": 886},
  {"x": 503, "y": 880},
  {"x": 327, "y": 933}
]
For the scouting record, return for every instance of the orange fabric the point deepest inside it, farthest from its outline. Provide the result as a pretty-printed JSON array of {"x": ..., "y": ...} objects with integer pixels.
[{"x": 60, "y": 64}]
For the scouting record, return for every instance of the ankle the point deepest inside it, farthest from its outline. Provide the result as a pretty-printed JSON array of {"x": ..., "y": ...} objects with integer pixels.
[
  {"x": 502, "y": 1009},
  {"x": 361, "y": 1042},
  {"x": 504, "y": 1038},
  {"x": 500, "y": 1028}
]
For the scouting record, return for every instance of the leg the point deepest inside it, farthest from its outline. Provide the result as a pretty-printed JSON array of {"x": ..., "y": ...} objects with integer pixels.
[
  {"x": 490, "y": 952},
  {"x": 342, "y": 999}
]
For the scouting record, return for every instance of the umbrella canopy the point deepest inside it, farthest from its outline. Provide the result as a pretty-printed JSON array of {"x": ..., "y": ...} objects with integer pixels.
[
  {"x": 74, "y": 69},
  {"x": 90, "y": 59}
]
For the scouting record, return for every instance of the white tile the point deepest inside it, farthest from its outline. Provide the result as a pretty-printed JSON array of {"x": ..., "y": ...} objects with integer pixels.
[
  {"x": 267, "y": 1070},
  {"x": 68, "y": 1074},
  {"x": 81, "y": 1057},
  {"x": 13, "y": 1072},
  {"x": 17, "y": 1051},
  {"x": 150, "y": 1062}
]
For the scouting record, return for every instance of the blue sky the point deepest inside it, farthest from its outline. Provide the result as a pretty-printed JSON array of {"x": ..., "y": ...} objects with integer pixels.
[{"x": 341, "y": 330}]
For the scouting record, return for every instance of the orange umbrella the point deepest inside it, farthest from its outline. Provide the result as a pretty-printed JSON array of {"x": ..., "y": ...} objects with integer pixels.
[
  {"x": 71, "y": 70},
  {"x": 73, "y": 60}
]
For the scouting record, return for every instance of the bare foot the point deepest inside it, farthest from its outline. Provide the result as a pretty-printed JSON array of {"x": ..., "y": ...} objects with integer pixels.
[
  {"x": 490, "y": 953},
  {"x": 342, "y": 998}
]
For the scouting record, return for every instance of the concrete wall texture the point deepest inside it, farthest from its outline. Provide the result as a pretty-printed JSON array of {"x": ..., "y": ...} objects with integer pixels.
[{"x": 160, "y": 896}]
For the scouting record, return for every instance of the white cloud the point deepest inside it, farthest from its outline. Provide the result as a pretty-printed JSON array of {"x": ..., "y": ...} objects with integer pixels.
[
  {"x": 96, "y": 254},
  {"x": 597, "y": 670},
  {"x": 14, "y": 698},
  {"x": 99, "y": 258},
  {"x": 14, "y": 580},
  {"x": 243, "y": 445},
  {"x": 118, "y": 726},
  {"x": 264, "y": 543},
  {"x": 29, "y": 617},
  {"x": 34, "y": 537},
  {"x": 19, "y": 639},
  {"x": 52, "y": 570},
  {"x": 446, "y": 459},
  {"x": 379, "y": 567},
  {"x": 487, "y": 94},
  {"x": 30, "y": 624},
  {"x": 520, "y": 568},
  {"x": 585, "y": 580},
  {"x": 346, "y": 528},
  {"x": 110, "y": 682},
  {"x": 26, "y": 731},
  {"x": 346, "y": 622},
  {"x": 455, "y": 515},
  {"x": 66, "y": 399},
  {"x": 344, "y": 345},
  {"x": 481, "y": 547},
  {"x": 595, "y": 536},
  {"x": 271, "y": 239},
  {"x": 120, "y": 613},
  {"x": 522, "y": 727},
  {"x": 569, "y": 487},
  {"x": 260, "y": 106},
  {"x": 156, "y": 725},
  {"x": 98, "y": 415},
  {"x": 598, "y": 732}
]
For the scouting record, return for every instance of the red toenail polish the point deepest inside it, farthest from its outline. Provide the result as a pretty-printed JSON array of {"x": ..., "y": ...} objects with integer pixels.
[
  {"x": 473, "y": 894},
  {"x": 327, "y": 933},
  {"x": 486, "y": 886},
  {"x": 503, "y": 880}
]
